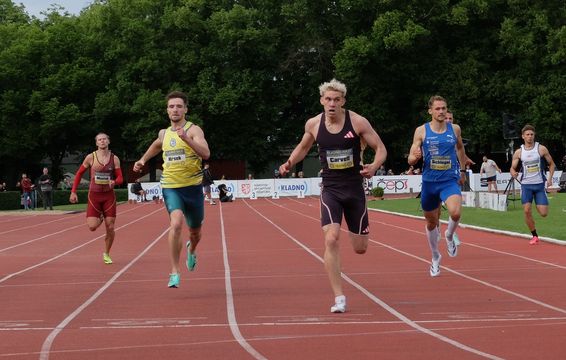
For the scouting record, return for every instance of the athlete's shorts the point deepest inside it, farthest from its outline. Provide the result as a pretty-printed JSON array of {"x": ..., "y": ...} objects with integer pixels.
[
  {"x": 533, "y": 191},
  {"x": 434, "y": 193},
  {"x": 101, "y": 203},
  {"x": 491, "y": 178},
  {"x": 345, "y": 199},
  {"x": 188, "y": 199}
]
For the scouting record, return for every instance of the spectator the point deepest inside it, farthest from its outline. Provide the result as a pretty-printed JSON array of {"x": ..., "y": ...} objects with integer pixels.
[
  {"x": 27, "y": 187},
  {"x": 381, "y": 171},
  {"x": 224, "y": 194},
  {"x": 206, "y": 182},
  {"x": 390, "y": 172},
  {"x": 276, "y": 174},
  {"x": 250, "y": 177},
  {"x": 46, "y": 187},
  {"x": 490, "y": 169},
  {"x": 300, "y": 174},
  {"x": 138, "y": 190},
  {"x": 3, "y": 187}
]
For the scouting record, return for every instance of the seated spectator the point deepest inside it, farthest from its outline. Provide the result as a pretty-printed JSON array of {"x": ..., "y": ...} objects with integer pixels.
[
  {"x": 381, "y": 171},
  {"x": 3, "y": 187},
  {"x": 390, "y": 172},
  {"x": 137, "y": 189},
  {"x": 224, "y": 194}
]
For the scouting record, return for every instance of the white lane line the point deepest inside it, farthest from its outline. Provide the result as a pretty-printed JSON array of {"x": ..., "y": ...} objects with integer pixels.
[
  {"x": 231, "y": 311},
  {"x": 9, "y": 276},
  {"x": 380, "y": 302},
  {"x": 46, "y": 347}
]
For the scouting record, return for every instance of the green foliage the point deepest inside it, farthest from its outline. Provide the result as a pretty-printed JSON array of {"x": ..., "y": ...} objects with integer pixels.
[
  {"x": 377, "y": 191},
  {"x": 10, "y": 200},
  {"x": 252, "y": 71}
]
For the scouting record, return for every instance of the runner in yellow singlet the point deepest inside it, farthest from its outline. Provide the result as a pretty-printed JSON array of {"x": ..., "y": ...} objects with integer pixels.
[{"x": 184, "y": 147}]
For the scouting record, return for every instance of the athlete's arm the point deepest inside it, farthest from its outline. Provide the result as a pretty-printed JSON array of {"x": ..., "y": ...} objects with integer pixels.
[
  {"x": 368, "y": 135},
  {"x": 118, "y": 178},
  {"x": 515, "y": 162},
  {"x": 415, "y": 153},
  {"x": 551, "y": 166},
  {"x": 194, "y": 137},
  {"x": 154, "y": 149},
  {"x": 303, "y": 148}
]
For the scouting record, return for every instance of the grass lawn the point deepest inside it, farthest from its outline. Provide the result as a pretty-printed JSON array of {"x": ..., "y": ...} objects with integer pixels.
[{"x": 553, "y": 226}]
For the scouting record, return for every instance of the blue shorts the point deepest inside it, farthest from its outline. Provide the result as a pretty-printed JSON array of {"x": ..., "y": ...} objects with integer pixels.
[
  {"x": 533, "y": 191},
  {"x": 188, "y": 199},
  {"x": 434, "y": 193}
]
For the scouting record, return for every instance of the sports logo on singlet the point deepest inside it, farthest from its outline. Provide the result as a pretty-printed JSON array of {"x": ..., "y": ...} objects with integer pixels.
[
  {"x": 532, "y": 166},
  {"x": 340, "y": 159},
  {"x": 101, "y": 178},
  {"x": 172, "y": 142}
]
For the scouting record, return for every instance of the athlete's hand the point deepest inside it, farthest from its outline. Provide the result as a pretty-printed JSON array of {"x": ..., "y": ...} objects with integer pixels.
[
  {"x": 284, "y": 168},
  {"x": 73, "y": 199},
  {"x": 138, "y": 165},
  {"x": 368, "y": 171},
  {"x": 182, "y": 134},
  {"x": 417, "y": 152},
  {"x": 111, "y": 184}
]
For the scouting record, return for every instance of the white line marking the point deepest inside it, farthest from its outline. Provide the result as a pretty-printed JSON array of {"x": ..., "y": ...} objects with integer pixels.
[
  {"x": 46, "y": 347},
  {"x": 73, "y": 249},
  {"x": 230, "y": 298},
  {"x": 380, "y": 302}
]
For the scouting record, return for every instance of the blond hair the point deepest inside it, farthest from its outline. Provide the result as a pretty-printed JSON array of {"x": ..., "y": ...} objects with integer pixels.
[
  {"x": 332, "y": 85},
  {"x": 436, "y": 98}
]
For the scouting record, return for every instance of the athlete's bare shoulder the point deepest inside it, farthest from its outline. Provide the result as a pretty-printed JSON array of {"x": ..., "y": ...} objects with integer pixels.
[{"x": 312, "y": 124}]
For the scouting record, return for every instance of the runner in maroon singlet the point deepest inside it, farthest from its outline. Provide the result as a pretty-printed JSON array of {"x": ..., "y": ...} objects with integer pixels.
[{"x": 105, "y": 173}]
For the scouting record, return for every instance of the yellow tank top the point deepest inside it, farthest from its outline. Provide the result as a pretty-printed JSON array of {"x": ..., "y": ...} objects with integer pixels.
[{"x": 181, "y": 165}]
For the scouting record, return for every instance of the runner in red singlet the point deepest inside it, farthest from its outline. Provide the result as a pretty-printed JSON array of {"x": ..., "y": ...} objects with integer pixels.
[{"x": 105, "y": 173}]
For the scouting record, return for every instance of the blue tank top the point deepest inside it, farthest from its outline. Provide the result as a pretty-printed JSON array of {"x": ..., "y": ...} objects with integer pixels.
[{"x": 440, "y": 162}]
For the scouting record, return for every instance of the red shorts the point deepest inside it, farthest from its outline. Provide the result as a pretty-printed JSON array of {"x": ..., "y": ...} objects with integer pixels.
[{"x": 101, "y": 203}]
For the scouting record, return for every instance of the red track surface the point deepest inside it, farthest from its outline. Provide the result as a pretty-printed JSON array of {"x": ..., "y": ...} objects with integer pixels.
[{"x": 260, "y": 291}]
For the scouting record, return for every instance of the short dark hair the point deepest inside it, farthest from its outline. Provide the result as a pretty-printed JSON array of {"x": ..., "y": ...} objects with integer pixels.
[
  {"x": 177, "y": 95},
  {"x": 527, "y": 127}
]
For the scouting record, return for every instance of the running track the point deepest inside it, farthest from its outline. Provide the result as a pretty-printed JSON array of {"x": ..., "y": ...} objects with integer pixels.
[{"x": 260, "y": 290}]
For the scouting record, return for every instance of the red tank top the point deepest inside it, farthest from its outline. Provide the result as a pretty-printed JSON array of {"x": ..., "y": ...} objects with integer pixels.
[{"x": 101, "y": 174}]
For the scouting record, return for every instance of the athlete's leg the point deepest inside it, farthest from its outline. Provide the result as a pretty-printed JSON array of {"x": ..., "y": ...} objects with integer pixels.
[
  {"x": 527, "y": 210},
  {"x": 110, "y": 233},
  {"x": 332, "y": 256},
  {"x": 177, "y": 218},
  {"x": 94, "y": 222}
]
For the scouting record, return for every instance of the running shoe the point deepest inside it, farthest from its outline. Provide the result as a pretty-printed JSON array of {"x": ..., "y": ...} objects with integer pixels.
[
  {"x": 191, "y": 258},
  {"x": 212, "y": 203},
  {"x": 339, "y": 306},
  {"x": 456, "y": 239},
  {"x": 435, "y": 267},
  {"x": 534, "y": 240},
  {"x": 106, "y": 258},
  {"x": 451, "y": 245},
  {"x": 173, "y": 281}
]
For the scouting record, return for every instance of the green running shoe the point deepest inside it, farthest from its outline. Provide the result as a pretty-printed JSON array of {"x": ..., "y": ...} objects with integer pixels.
[
  {"x": 173, "y": 280},
  {"x": 191, "y": 258},
  {"x": 106, "y": 258}
]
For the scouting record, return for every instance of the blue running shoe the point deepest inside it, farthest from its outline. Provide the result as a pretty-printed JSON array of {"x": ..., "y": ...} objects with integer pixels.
[
  {"x": 191, "y": 258},
  {"x": 173, "y": 281}
]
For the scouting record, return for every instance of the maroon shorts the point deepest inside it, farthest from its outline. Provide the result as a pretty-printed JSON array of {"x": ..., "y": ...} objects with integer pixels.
[
  {"x": 348, "y": 200},
  {"x": 101, "y": 203}
]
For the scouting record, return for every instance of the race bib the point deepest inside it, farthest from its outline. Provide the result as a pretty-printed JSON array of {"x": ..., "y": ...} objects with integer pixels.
[
  {"x": 101, "y": 178},
  {"x": 175, "y": 156},
  {"x": 440, "y": 163},
  {"x": 340, "y": 159},
  {"x": 532, "y": 166}
]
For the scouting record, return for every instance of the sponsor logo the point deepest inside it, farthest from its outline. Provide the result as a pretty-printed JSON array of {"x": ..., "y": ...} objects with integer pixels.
[
  {"x": 349, "y": 135},
  {"x": 245, "y": 188},
  {"x": 395, "y": 185},
  {"x": 172, "y": 142}
]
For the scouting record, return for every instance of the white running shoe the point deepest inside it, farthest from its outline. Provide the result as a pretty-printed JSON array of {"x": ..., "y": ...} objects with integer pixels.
[
  {"x": 435, "y": 267},
  {"x": 451, "y": 245},
  {"x": 340, "y": 305}
]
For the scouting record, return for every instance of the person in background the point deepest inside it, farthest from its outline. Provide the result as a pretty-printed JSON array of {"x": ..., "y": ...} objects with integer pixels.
[
  {"x": 206, "y": 182},
  {"x": 27, "y": 188},
  {"x": 46, "y": 186},
  {"x": 138, "y": 190},
  {"x": 490, "y": 169},
  {"x": 534, "y": 158}
]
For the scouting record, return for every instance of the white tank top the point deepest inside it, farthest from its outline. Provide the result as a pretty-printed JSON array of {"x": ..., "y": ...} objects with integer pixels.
[{"x": 532, "y": 165}]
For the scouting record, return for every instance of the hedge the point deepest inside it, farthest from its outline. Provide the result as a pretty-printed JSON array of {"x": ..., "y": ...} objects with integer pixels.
[{"x": 11, "y": 200}]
